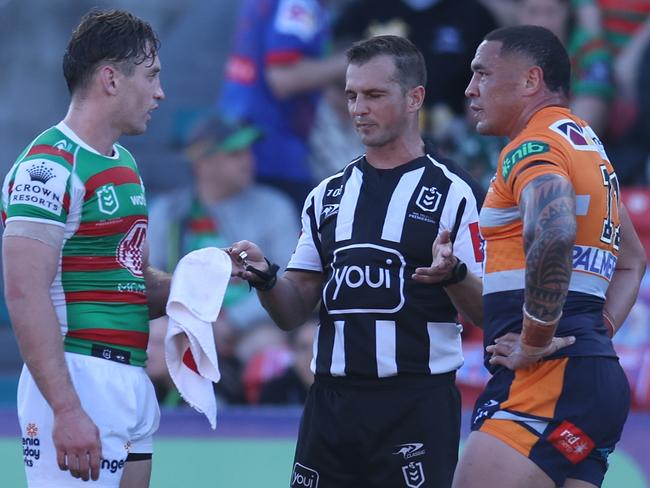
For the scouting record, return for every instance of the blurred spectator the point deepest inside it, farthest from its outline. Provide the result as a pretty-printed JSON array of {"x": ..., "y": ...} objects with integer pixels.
[
  {"x": 478, "y": 154},
  {"x": 446, "y": 31},
  {"x": 504, "y": 11},
  {"x": 268, "y": 363},
  {"x": 627, "y": 30},
  {"x": 632, "y": 344},
  {"x": 577, "y": 23},
  {"x": 334, "y": 140},
  {"x": 643, "y": 122},
  {"x": 222, "y": 206},
  {"x": 292, "y": 386},
  {"x": 276, "y": 69}
]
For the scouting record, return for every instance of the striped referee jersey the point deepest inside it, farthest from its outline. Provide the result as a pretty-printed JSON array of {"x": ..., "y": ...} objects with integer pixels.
[{"x": 367, "y": 230}]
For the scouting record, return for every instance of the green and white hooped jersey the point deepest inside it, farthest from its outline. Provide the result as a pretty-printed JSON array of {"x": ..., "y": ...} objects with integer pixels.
[{"x": 99, "y": 290}]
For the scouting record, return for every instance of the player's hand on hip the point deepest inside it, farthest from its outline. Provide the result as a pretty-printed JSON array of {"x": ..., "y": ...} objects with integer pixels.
[
  {"x": 78, "y": 445},
  {"x": 442, "y": 264},
  {"x": 508, "y": 351},
  {"x": 244, "y": 254}
]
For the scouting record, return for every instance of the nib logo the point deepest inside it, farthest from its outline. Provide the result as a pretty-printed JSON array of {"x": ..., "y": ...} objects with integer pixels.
[{"x": 572, "y": 442}]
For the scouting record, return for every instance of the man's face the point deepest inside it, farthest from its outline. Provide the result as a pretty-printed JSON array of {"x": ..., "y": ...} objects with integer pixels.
[
  {"x": 140, "y": 94},
  {"x": 232, "y": 170},
  {"x": 495, "y": 90},
  {"x": 376, "y": 102}
]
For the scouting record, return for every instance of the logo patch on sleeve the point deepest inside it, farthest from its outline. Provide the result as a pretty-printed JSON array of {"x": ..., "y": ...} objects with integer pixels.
[
  {"x": 572, "y": 442},
  {"x": 40, "y": 183},
  {"x": 520, "y": 153},
  {"x": 477, "y": 242},
  {"x": 297, "y": 18}
]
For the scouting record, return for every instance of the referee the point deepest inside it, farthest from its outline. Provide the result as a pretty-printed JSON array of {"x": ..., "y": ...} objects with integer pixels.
[{"x": 384, "y": 411}]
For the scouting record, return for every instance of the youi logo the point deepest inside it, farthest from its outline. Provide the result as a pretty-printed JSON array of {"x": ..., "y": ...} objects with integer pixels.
[
  {"x": 304, "y": 477},
  {"x": 365, "y": 278}
]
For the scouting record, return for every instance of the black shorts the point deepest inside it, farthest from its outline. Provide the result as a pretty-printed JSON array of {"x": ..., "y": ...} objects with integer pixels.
[{"x": 387, "y": 433}]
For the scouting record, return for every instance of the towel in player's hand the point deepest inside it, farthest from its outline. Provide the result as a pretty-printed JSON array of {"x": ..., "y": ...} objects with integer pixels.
[{"x": 197, "y": 289}]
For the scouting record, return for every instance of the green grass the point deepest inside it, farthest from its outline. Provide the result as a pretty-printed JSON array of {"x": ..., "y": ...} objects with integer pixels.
[{"x": 244, "y": 463}]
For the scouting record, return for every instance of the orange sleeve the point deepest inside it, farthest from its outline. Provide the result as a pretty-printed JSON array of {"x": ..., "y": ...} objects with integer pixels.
[{"x": 531, "y": 156}]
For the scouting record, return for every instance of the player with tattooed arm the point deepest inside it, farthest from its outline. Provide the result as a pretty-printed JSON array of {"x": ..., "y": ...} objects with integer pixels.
[{"x": 562, "y": 269}]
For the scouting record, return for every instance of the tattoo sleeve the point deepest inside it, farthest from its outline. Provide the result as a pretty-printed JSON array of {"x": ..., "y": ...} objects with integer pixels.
[{"x": 548, "y": 208}]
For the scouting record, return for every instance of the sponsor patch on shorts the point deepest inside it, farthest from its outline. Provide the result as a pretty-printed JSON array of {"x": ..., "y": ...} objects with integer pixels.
[
  {"x": 304, "y": 477},
  {"x": 572, "y": 442},
  {"x": 31, "y": 445}
]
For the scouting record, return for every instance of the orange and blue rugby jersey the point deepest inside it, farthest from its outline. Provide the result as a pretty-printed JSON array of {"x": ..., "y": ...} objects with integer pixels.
[{"x": 554, "y": 141}]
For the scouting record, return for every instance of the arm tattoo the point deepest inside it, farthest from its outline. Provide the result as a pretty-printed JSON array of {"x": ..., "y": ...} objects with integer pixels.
[{"x": 548, "y": 208}]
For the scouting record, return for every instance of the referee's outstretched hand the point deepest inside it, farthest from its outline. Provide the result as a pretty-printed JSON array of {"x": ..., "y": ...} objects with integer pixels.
[
  {"x": 243, "y": 254},
  {"x": 442, "y": 263}
]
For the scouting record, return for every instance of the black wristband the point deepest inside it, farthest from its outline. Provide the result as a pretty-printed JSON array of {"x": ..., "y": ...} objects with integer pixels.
[
  {"x": 268, "y": 277},
  {"x": 458, "y": 274}
]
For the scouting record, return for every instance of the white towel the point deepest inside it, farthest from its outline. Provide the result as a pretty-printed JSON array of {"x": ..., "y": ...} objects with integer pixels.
[{"x": 197, "y": 289}]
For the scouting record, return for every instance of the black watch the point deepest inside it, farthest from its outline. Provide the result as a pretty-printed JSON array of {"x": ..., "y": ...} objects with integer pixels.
[{"x": 458, "y": 274}]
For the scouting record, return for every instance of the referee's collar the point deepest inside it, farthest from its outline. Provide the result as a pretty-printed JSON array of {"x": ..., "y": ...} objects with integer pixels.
[{"x": 401, "y": 169}]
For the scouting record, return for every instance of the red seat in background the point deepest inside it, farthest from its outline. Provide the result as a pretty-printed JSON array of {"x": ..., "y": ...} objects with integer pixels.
[{"x": 637, "y": 202}]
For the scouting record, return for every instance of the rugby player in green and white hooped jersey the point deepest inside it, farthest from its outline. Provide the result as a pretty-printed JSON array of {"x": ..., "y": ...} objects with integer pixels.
[
  {"x": 99, "y": 289},
  {"x": 75, "y": 266}
]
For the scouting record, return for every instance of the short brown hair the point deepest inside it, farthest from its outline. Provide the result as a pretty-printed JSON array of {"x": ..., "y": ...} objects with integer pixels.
[
  {"x": 107, "y": 35},
  {"x": 409, "y": 63}
]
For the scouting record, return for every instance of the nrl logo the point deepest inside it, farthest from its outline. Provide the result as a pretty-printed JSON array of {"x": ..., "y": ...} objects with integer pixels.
[
  {"x": 413, "y": 474},
  {"x": 428, "y": 199},
  {"x": 107, "y": 199}
]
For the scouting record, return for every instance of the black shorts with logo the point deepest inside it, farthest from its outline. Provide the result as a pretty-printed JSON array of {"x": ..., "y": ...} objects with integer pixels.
[{"x": 379, "y": 433}]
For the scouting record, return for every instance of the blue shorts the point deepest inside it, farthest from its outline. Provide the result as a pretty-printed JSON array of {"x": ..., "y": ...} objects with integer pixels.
[{"x": 565, "y": 415}]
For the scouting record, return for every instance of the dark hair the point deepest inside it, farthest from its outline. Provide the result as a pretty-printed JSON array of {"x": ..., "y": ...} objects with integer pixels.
[
  {"x": 542, "y": 47},
  {"x": 409, "y": 62},
  {"x": 107, "y": 35}
]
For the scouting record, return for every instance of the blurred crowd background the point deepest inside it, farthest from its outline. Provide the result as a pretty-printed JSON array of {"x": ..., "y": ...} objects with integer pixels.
[{"x": 255, "y": 115}]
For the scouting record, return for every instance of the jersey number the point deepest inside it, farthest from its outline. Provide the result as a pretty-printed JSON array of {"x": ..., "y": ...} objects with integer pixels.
[{"x": 611, "y": 234}]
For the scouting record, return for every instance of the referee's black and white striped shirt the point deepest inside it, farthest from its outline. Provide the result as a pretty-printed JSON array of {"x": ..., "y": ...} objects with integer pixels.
[{"x": 367, "y": 230}]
